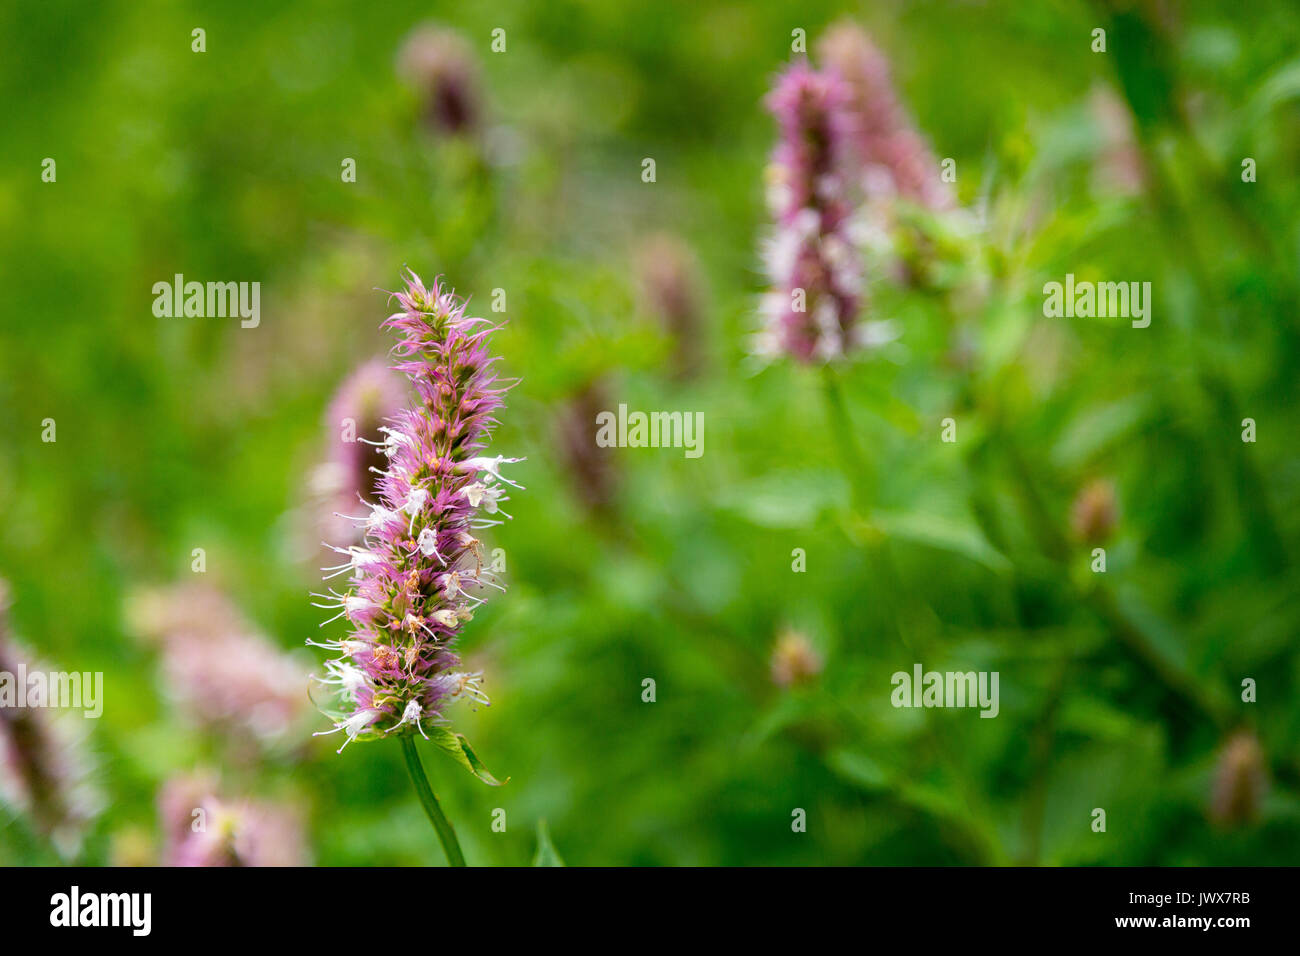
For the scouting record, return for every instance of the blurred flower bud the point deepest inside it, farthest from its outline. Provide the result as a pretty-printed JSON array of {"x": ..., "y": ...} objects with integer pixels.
[
  {"x": 593, "y": 477},
  {"x": 1095, "y": 512},
  {"x": 1240, "y": 781},
  {"x": 794, "y": 661},
  {"x": 670, "y": 288},
  {"x": 1119, "y": 166},
  {"x": 441, "y": 67}
]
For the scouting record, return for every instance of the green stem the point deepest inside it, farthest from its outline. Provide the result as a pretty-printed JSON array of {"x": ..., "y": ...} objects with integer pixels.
[
  {"x": 429, "y": 801},
  {"x": 858, "y": 472}
]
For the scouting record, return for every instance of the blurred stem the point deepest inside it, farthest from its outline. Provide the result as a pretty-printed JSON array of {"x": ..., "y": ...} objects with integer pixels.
[
  {"x": 429, "y": 801},
  {"x": 1051, "y": 540},
  {"x": 855, "y": 466},
  {"x": 1040, "y": 756}
]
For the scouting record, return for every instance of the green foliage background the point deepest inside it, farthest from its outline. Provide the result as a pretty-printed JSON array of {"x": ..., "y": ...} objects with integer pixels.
[{"x": 1117, "y": 691}]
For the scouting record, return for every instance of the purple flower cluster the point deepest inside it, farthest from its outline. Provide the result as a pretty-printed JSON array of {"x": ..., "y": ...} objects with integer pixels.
[
  {"x": 417, "y": 573},
  {"x": 812, "y": 261},
  {"x": 848, "y": 153},
  {"x": 220, "y": 671},
  {"x": 895, "y": 159},
  {"x": 232, "y": 832}
]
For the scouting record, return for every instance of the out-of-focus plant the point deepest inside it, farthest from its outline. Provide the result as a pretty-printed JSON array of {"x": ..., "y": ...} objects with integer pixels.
[
  {"x": 1240, "y": 781},
  {"x": 46, "y": 771},
  {"x": 592, "y": 470},
  {"x": 362, "y": 406},
  {"x": 670, "y": 281},
  {"x": 202, "y": 828},
  {"x": 794, "y": 660},
  {"x": 975, "y": 271},
  {"x": 440, "y": 66},
  {"x": 228, "y": 679}
]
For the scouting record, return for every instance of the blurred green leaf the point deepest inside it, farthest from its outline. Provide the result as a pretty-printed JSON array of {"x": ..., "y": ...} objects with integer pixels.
[
  {"x": 787, "y": 499},
  {"x": 546, "y": 853},
  {"x": 944, "y": 533}
]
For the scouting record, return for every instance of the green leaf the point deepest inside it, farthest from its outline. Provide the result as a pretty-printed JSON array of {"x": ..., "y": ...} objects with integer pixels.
[
  {"x": 459, "y": 748},
  {"x": 788, "y": 499},
  {"x": 1097, "y": 429},
  {"x": 943, "y": 803},
  {"x": 881, "y": 399},
  {"x": 954, "y": 535},
  {"x": 546, "y": 853}
]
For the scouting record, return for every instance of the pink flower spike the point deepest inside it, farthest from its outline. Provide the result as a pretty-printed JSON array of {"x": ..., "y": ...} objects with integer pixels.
[
  {"x": 407, "y": 603},
  {"x": 812, "y": 259}
]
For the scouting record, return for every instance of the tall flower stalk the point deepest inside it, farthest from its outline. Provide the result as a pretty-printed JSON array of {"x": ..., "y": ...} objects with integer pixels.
[
  {"x": 814, "y": 258},
  {"x": 418, "y": 574}
]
